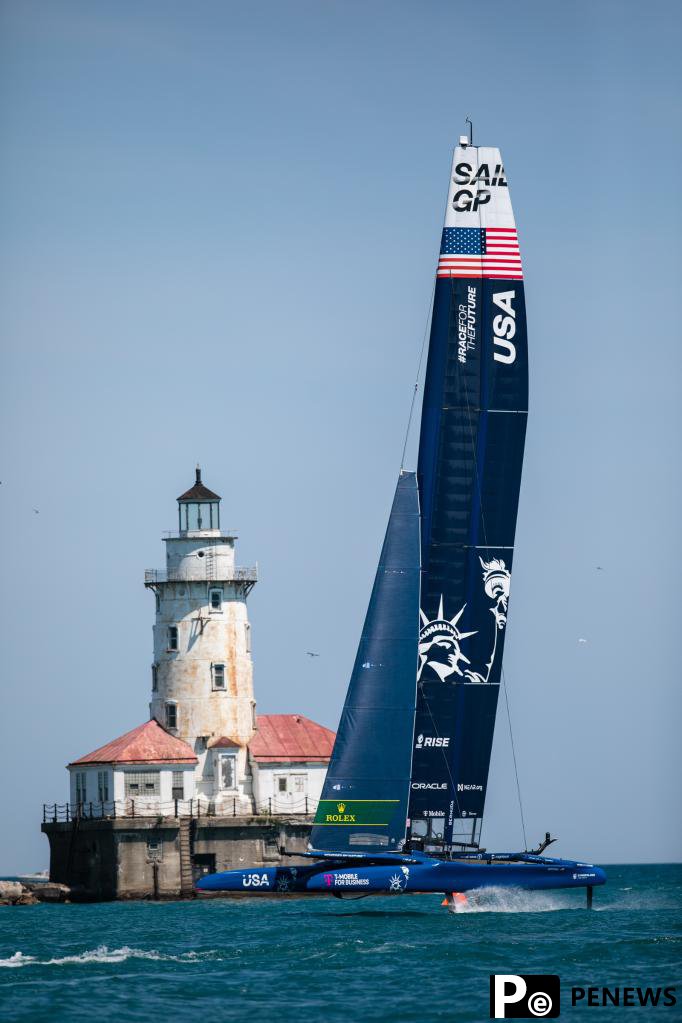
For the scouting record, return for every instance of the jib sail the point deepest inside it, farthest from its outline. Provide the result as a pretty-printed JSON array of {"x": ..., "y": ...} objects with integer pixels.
[
  {"x": 469, "y": 473},
  {"x": 365, "y": 795}
]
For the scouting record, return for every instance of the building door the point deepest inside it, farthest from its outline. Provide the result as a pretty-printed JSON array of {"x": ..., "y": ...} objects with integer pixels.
[{"x": 202, "y": 864}]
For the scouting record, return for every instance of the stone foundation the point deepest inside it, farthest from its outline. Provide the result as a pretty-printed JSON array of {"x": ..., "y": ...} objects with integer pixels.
[{"x": 160, "y": 858}]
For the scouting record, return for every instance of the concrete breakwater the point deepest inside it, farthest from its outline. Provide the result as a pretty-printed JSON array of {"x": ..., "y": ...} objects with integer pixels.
[{"x": 162, "y": 857}]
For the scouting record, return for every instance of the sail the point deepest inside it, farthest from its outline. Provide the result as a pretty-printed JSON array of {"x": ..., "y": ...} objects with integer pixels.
[
  {"x": 469, "y": 473},
  {"x": 365, "y": 795}
]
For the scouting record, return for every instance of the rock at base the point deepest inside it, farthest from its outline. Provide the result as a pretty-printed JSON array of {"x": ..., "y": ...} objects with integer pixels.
[
  {"x": 10, "y": 891},
  {"x": 14, "y": 893}
]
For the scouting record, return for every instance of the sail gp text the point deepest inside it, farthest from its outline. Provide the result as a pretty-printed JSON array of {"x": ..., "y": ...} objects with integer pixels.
[{"x": 474, "y": 196}]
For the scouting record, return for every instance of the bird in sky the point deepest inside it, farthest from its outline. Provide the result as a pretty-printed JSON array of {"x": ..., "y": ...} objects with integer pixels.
[
  {"x": 581, "y": 640},
  {"x": 311, "y": 654},
  {"x": 36, "y": 511},
  {"x": 599, "y": 568}
]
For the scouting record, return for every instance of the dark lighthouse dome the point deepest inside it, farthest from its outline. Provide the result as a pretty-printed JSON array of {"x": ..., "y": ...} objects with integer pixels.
[{"x": 198, "y": 507}]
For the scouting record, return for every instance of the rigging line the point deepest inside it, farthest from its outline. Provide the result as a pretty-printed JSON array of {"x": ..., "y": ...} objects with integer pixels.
[
  {"x": 516, "y": 772},
  {"x": 419, "y": 369}
]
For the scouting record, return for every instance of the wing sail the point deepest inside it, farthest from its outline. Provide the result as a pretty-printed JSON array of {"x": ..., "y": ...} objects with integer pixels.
[
  {"x": 469, "y": 473},
  {"x": 365, "y": 795}
]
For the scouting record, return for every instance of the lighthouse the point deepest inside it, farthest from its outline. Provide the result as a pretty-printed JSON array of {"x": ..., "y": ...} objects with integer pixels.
[
  {"x": 203, "y": 784},
  {"x": 202, "y": 672}
]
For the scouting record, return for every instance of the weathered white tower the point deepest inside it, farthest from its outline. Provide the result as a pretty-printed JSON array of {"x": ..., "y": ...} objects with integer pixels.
[{"x": 202, "y": 675}]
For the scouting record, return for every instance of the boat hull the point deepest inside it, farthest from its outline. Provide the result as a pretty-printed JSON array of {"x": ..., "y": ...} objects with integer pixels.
[{"x": 354, "y": 877}]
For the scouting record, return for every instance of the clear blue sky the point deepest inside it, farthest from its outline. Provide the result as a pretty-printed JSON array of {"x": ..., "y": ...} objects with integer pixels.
[{"x": 220, "y": 224}]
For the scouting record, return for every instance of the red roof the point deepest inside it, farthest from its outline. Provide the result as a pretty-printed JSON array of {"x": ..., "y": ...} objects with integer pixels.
[
  {"x": 147, "y": 744},
  {"x": 224, "y": 742},
  {"x": 290, "y": 737}
]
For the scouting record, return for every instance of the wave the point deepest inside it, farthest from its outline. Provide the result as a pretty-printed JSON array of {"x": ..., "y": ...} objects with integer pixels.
[
  {"x": 102, "y": 954},
  {"x": 18, "y": 959}
]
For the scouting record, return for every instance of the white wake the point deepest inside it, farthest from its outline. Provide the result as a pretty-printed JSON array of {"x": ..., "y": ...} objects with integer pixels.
[
  {"x": 105, "y": 955},
  {"x": 513, "y": 900}
]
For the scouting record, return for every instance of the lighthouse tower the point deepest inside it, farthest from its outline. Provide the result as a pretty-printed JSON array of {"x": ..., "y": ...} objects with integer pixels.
[{"x": 202, "y": 673}]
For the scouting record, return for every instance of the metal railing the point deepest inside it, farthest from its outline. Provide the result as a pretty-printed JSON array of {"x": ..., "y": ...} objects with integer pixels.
[
  {"x": 235, "y": 574},
  {"x": 193, "y": 534},
  {"x": 276, "y": 807},
  {"x": 198, "y": 808}
]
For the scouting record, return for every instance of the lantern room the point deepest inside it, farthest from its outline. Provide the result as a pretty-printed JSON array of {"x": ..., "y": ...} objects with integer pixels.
[{"x": 198, "y": 508}]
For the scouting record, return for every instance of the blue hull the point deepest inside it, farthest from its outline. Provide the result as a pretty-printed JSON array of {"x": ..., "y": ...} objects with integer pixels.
[{"x": 388, "y": 875}]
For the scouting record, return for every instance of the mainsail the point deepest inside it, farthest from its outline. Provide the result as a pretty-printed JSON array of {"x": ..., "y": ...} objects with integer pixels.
[
  {"x": 469, "y": 473},
  {"x": 365, "y": 795}
]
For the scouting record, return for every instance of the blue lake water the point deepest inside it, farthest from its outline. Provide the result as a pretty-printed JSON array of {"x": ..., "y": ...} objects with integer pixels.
[{"x": 400, "y": 958}]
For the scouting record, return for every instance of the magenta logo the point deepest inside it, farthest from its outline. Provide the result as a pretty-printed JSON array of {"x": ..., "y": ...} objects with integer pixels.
[{"x": 328, "y": 878}]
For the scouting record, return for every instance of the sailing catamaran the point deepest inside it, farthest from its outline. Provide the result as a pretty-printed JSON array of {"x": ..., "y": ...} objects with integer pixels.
[{"x": 402, "y": 804}]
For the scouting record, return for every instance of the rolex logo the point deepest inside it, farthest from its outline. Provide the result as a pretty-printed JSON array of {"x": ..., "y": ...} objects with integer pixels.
[
  {"x": 375, "y": 813},
  {"x": 340, "y": 817}
]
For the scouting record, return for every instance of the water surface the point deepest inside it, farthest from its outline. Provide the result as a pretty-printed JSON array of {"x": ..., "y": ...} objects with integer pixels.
[{"x": 400, "y": 958}]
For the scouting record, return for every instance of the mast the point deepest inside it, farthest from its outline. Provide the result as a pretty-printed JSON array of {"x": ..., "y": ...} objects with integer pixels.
[{"x": 469, "y": 472}]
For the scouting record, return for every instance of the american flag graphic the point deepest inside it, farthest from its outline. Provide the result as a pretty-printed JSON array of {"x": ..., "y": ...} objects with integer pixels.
[{"x": 480, "y": 252}]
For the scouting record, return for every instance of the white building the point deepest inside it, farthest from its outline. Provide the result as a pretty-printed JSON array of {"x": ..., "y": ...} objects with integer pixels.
[
  {"x": 289, "y": 755},
  {"x": 204, "y": 744},
  {"x": 139, "y": 772}
]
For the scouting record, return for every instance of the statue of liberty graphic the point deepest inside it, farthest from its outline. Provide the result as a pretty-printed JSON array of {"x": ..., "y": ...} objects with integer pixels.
[{"x": 440, "y": 639}]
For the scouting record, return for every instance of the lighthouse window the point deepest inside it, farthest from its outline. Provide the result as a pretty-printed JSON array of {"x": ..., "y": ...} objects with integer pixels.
[
  {"x": 103, "y": 786},
  {"x": 178, "y": 785},
  {"x": 215, "y": 598},
  {"x": 218, "y": 672},
  {"x": 228, "y": 771},
  {"x": 171, "y": 715},
  {"x": 142, "y": 783},
  {"x": 81, "y": 788},
  {"x": 155, "y": 677},
  {"x": 196, "y": 517},
  {"x": 172, "y": 637}
]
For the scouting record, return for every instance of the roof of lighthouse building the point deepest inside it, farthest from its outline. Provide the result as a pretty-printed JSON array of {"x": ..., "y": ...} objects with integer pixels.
[
  {"x": 290, "y": 737},
  {"x": 147, "y": 744},
  {"x": 223, "y": 742},
  {"x": 199, "y": 492}
]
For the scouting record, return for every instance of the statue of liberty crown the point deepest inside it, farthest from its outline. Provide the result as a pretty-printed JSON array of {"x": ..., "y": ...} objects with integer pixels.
[{"x": 440, "y": 625}]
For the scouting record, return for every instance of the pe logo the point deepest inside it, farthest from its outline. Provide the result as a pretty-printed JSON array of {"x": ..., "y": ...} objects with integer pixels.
[{"x": 524, "y": 996}]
